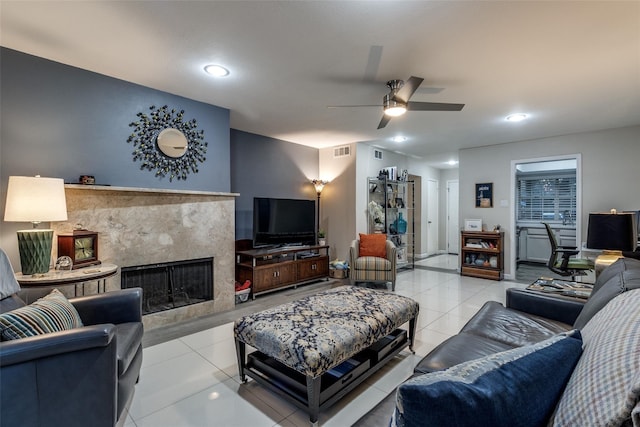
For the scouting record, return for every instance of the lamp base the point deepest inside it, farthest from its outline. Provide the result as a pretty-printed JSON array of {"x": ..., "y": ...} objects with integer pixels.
[
  {"x": 605, "y": 259},
  {"x": 35, "y": 250}
]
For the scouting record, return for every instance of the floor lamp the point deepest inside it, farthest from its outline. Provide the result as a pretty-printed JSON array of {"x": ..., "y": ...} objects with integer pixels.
[
  {"x": 319, "y": 185},
  {"x": 35, "y": 200}
]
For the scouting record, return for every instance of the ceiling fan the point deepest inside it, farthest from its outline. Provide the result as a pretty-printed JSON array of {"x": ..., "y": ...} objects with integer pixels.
[{"x": 396, "y": 102}]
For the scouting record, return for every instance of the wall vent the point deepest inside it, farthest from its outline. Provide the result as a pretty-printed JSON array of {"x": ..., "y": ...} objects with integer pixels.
[
  {"x": 343, "y": 151},
  {"x": 377, "y": 154}
]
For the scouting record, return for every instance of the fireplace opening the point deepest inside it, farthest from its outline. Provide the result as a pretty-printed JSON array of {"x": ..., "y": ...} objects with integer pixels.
[{"x": 171, "y": 284}]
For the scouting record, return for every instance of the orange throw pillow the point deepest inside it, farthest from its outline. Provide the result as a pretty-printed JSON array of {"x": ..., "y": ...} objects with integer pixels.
[{"x": 373, "y": 245}]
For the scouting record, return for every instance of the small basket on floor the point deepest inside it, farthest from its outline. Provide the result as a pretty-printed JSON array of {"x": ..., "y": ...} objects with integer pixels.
[
  {"x": 338, "y": 274},
  {"x": 243, "y": 295}
]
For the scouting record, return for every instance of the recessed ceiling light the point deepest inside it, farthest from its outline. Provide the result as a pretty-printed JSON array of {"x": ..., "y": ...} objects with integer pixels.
[
  {"x": 216, "y": 70},
  {"x": 452, "y": 162},
  {"x": 399, "y": 138},
  {"x": 518, "y": 117}
]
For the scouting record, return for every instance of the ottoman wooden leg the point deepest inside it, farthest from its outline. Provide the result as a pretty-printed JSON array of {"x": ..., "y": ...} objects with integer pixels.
[
  {"x": 412, "y": 333},
  {"x": 313, "y": 396},
  {"x": 241, "y": 354}
]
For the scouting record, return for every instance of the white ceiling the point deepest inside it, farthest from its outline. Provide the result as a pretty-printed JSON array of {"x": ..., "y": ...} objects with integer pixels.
[{"x": 572, "y": 66}]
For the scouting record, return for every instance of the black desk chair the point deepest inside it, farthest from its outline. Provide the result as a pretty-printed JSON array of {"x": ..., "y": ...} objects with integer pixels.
[{"x": 566, "y": 265}]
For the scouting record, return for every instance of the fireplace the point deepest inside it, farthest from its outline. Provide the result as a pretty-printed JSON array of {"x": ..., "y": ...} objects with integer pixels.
[
  {"x": 171, "y": 285},
  {"x": 146, "y": 226}
]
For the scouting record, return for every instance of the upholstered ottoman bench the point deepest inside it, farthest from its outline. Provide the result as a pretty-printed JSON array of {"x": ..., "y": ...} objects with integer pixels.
[{"x": 315, "y": 350}]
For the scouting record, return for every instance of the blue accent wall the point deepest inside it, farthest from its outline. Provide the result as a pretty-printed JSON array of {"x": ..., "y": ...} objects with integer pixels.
[
  {"x": 61, "y": 121},
  {"x": 266, "y": 167}
]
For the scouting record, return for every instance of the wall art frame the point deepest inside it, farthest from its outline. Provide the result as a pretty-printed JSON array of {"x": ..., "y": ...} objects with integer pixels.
[
  {"x": 484, "y": 195},
  {"x": 145, "y": 141}
]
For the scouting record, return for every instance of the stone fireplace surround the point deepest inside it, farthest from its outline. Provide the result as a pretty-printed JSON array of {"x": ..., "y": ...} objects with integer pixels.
[{"x": 139, "y": 226}]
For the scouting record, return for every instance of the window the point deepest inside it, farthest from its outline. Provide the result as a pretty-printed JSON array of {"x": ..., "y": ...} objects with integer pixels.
[{"x": 547, "y": 197}]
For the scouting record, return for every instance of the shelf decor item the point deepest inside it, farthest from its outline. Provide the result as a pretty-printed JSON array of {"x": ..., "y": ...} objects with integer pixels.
[
  {"x": 35, "y": 200},
  {"x": 81, "y": 246},
  {"x": 400, "y": 224},
  {"x": 472, "y": 225}
]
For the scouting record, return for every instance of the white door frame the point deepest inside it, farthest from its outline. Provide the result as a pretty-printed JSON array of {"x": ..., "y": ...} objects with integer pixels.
[
  {"x": 514, "y": 163},
  {"x": 451, "y": 218},
  {"x": 432, "y": 216}
]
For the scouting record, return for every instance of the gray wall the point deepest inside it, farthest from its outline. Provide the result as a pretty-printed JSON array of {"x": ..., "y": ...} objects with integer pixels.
[
  {"x": 268, "y": 167},
  {"x": 64, "y": 122},
  {"x": 60, "y": 121}
]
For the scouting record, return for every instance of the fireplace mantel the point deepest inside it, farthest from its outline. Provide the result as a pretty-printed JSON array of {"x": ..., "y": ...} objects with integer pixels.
[
  {"x": 139, "y": 226},
  {"x": 149, "y": 190}
]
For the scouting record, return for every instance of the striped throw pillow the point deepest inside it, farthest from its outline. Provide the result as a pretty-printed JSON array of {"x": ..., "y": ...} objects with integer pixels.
[{"x": 51, "y": 313}]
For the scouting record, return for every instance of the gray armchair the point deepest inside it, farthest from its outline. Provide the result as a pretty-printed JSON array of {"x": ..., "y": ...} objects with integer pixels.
[{"x": 79, "y": 377}]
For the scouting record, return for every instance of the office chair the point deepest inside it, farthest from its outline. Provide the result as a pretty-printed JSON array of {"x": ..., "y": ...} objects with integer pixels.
[{"x": 566, "y": 266}]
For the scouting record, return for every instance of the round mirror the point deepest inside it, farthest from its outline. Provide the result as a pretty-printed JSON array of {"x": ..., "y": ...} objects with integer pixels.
[{"x": 172, "y": 142}]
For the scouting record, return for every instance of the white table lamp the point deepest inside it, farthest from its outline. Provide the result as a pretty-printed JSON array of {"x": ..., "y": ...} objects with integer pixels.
[{"x": 35, "y": 200}]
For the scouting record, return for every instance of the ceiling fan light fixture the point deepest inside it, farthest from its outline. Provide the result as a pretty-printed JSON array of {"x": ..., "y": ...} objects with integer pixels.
[
  {"x": 395, "y": 111},
  {"x": 393, "y": 108}
]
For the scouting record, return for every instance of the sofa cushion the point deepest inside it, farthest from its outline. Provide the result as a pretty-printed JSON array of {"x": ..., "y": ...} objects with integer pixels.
[
  {"x": 605, "y": 385},
  {"x": 514, "y": 328},
  {"x": 372, "y": 263},
  {"x": 503, "y": 389},
  {"x": 373, "y": 245},
  {"x": 52, "y": 313},
  {"x": 623, "y": 276},
  {"x": 458, "y": 349}
]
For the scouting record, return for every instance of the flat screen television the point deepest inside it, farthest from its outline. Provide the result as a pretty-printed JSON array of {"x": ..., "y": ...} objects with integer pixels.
[{"x": 283, "y": 222}]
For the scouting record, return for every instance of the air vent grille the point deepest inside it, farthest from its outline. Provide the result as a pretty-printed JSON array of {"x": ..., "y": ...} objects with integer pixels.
[
  {"x": 343, "y": 151},
  {"x": 377, "y": 154}
]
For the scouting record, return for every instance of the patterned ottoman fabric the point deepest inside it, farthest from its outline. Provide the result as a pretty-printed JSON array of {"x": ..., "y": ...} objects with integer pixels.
[{"x": 316, "y": 333}]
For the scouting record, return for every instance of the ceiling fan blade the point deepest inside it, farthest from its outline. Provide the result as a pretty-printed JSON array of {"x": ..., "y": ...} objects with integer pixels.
[
  {"x": 433, "y": 106},
  {"x": 384, "y": 121},
  {"x": 410, "y": 86},
  {"x": 353, "y": 106}
]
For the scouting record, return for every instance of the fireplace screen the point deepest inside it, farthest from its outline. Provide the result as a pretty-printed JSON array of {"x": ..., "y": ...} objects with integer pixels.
[{"x": 172, "y": 284}]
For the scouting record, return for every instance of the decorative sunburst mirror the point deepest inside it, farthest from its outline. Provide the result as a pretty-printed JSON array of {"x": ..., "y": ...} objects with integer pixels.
[{"x": 167, "y": 144}]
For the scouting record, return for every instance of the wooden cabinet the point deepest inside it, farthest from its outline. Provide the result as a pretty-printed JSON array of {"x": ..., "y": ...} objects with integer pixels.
[
  {"x": 482, "y": 254},
  {"x": 272, "y": 269},
  {"x": 313, "y": 268}
]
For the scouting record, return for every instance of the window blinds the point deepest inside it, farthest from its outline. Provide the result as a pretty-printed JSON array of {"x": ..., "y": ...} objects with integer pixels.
[{"x": 547, "y": 198}]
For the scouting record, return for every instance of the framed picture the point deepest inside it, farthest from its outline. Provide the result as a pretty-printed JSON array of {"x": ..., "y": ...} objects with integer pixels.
[
  {"x": 484, "y": 195},
  {"x": 472, "y": 225}
]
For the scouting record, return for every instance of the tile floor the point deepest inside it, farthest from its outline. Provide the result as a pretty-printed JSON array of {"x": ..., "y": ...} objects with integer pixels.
[
  {"x": 192, "y": 381},
  {"x": 440, "y": 261}
]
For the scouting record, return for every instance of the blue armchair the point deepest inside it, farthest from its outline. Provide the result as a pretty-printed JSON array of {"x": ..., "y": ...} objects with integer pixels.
[{"x": 80, "y": 377}]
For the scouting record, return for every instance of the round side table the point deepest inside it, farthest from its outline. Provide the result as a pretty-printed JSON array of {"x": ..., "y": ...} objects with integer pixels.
[{"x": 51, "y": 279}]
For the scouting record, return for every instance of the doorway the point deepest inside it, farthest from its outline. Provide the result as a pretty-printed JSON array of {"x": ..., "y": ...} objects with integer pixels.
[{"x": 547, "y": 190}]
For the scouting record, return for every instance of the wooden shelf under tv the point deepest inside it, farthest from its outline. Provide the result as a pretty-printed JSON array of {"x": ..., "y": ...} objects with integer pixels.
[{"x": 273, "y": 269}]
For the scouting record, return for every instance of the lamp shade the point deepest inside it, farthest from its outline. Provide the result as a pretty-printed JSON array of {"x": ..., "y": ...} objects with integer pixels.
[
  {"x": 612, "y": 231},
  {"x": 35, "y": 199}
]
